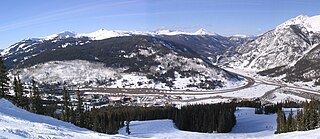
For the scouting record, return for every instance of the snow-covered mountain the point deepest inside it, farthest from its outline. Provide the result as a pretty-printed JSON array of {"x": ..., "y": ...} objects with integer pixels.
[
  {"x": 209, "y": 46},
  {"x": 163, "y": 59},
  {"x": 61, "y": 35},
  {"x": 102, "y": 34},
  {"x": 203, "y": 31},
  {"x": 135, "y": 61},
  {"x": 312, "y": 24},
  {"x": 283, "y": 47},
  {"x": 202, "y": 41}
]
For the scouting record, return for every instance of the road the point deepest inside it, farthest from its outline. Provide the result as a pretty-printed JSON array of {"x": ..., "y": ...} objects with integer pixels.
[{"x": 250, "y": 81}]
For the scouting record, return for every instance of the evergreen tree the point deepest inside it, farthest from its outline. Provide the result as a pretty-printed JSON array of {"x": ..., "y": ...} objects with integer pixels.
[
  {"x": 66, "y": 105},
  {"x": 278, "y": 123},
  {"x": 4, "y": 85},
  {"x": 319, "y": 117},
  {"x": 73, "y": 115},
  {"x": 284, "y": 122},
  {"x": 290, "y": 122},
  {"x": 281, "y": 122},
  {"x": 313, "y": 119},
  {"x": 36, "y": 101},
  {"x": 307, "y": 115},
  {"x": 303, "y": 121},
  {"x": 18, "y": 90},
  {"x": 52, "y": 109},
  {"x": 79, "y": 110},
  {"x": 222, "y": 123},
  {"x": 15, "y": 87},
  {"x": 128, "y": 128}
]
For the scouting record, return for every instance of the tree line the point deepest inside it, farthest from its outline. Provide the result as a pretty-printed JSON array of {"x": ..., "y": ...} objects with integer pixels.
[
  {"x": 269, "y": 108},
  {"x": 307, "y": 118},
  {"x": 201, "y": 118},
  {"x": 206, "y": 118}
]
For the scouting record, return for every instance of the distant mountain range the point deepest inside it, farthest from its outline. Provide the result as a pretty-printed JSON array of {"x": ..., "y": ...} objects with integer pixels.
[
  {"x": 290, "y": 51},
  {"x": 205, "y": 43},
  {"x": 163, "y": 59}
]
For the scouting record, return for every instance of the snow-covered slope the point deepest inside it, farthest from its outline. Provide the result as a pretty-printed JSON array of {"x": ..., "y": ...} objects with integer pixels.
[
  {"x": 102, "y": 34},
  {"x": 203, "y": 31},
  {"x": 131, "y": 61},
  {"x": 61, "y": 35},
  {"x": 249, "y": 126},
  {"x": 312, "y": 24},
  {"x": 202, "y": 41},
  {"x": 306, "y": 69},
  {"x": 207, "y": 45},
  {"x": 96, "y": 35},
  {"x": 16, "y": 123},
  {"x": 283, "y": 46}
]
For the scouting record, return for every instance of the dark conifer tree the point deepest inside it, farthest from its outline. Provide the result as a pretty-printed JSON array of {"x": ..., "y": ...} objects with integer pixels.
[
  {"x": 313, "y": 119},
  {"x": 15, "y": 87},
  {"x": 278, "y": 123},
  {"x": 281, "y": 122},
  {"x": 319, "y": 117},
  {"x": 303, "y": 121},
  {"x": 18, "y": 91},
  {"x": 52, "y": 109},
  {"x": 4, "y": 80},
  {"x": 36, "y": 101},
  {"x": 79, "y": 110},
  {"x": 66, "y": 105},
  {"x": 290, "y": 122},
  {"x": 128, "y": 127}
]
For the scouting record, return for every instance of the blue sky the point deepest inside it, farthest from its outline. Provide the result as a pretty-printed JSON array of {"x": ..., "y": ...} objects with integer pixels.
[{"x": 20, "y": 19}]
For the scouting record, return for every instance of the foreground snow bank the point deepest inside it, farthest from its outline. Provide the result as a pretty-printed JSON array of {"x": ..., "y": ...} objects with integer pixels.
[{"x": 18, "y": 123}]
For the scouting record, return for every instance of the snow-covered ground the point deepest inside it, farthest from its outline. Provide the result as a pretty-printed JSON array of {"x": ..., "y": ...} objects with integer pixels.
[
  {"x": 249, "y": 125},
  {"x": 16, "y": 123},
  {"x": 279, "y": 96},
  {"x": 265, "y": 79},
  {"x": 82, "y": 73},
  {"x": 253, "y": 92}
]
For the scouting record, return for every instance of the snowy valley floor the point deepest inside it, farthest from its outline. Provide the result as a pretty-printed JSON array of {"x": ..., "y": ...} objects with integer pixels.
[{"x": 18, "y": 123}]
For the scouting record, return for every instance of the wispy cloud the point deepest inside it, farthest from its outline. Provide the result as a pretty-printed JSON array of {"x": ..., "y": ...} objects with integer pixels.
[
  {"x": 151, "y": 13},
  {"x": 61, "y": 14}
]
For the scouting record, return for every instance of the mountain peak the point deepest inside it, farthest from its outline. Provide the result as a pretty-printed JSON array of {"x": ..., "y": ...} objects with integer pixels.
[
  {"x": 104, "y": 34},
  {"x": 310, "y": 23},
  {"x": 203, "y": 31},
  {"x": 61, "y": 35}
]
